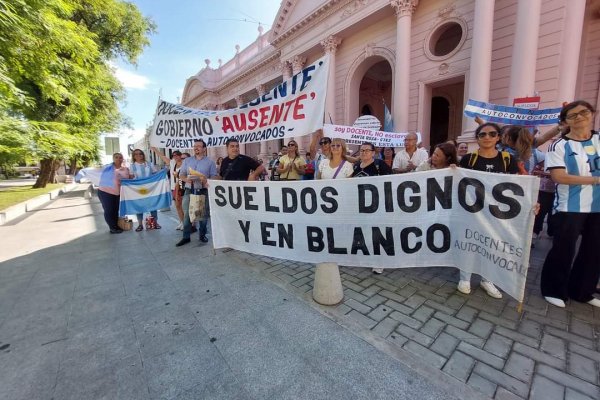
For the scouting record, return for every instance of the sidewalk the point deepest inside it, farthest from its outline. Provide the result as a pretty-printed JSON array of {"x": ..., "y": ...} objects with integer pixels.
[
  {"x": 88, "y": 315},
  {"x": 544, "y": 353}
]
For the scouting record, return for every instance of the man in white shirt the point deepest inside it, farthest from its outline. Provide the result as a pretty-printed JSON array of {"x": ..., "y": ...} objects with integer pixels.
[{"x": 409, "y": 158}]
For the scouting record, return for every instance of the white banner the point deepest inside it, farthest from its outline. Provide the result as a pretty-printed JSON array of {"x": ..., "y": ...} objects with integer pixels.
[
  {"x": 355, "y": 135},
  {"x": 293, "y": 108},
  {"x": 476, "y": 221}
]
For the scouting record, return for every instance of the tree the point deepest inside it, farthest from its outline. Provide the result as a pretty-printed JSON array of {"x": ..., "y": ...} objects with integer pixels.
[{"x": 55, "y": 72}]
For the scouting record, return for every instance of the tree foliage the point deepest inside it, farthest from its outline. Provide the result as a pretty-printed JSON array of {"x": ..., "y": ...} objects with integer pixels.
[{"x": 56, "y": 82}]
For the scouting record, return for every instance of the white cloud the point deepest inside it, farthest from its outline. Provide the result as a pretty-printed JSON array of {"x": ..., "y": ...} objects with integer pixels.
[{"x": 131, "y": 80}]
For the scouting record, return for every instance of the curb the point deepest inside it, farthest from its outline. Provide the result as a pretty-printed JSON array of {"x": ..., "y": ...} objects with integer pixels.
[{"x": 18, "y": 210}]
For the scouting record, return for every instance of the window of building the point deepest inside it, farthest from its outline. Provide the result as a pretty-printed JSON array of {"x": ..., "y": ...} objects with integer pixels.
[
  {"x": 111, "y": 145},
  {"x": 445, "y": 39}
]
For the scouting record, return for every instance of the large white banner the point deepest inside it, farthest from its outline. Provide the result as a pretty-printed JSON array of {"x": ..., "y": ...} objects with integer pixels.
[
  {"x": 358, "y": 135},
  {"x": 293, "y": 108},
  {"x": 478, "y": 222}
]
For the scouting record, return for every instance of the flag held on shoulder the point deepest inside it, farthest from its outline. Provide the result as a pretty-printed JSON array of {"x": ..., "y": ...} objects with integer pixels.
[{"x": 146, "y": 194}]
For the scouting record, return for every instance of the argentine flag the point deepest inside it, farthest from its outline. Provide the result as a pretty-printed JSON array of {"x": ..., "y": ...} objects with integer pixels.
[
  {"x": 145, "y": 194},
  {"x": 388, "y": 122}
]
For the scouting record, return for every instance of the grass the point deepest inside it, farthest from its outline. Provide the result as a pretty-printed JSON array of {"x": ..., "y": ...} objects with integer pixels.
[{"x": 15, "y": 195}]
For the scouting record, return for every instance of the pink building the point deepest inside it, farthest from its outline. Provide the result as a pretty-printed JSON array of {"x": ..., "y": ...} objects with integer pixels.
[{"x": 423, "y": 58}]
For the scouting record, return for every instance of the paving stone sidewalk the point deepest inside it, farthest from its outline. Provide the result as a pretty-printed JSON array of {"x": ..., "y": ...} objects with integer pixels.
[
  {"x": 87, "y": 315},
  {"x": 544, "y": 353}
]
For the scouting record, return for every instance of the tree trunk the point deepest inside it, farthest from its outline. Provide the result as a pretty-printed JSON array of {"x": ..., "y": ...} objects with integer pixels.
[
  {"x": 55, "y": 166},
  {"x": 73, "y": 166},
  {"x": 45, "y": 172}
]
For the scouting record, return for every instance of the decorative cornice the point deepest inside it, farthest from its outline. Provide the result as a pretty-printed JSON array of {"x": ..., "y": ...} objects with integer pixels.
[
  {"x": 353, "y": 7},
  {"x": 278, "y": 37},
  {"x": 261, "y": 89},
  {"x": 404, "y": 8},
  {"x": 330, "y": 44}
]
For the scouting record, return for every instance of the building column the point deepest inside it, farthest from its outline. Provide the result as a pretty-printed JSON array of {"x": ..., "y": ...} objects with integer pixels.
[
  {"x": 263, "y": 152},
  {"x": 404, "y": 10},
  {"x": 330, "y": 46},
  {"x": 297, "y": 65},
  {"x": 569, "y": 52},
  {"x": 525, "y": 46},
  {"x": 481, "y": 60},
  {"x": 239, "y": 100}
]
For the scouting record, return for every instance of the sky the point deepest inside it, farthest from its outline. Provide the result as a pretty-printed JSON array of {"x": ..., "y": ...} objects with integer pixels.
[{"x": 188, "y": 32}]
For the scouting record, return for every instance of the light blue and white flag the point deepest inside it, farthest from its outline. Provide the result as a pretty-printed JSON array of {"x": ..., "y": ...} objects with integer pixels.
[
  {"x": 145, "y": 194},
  {"x": 388, "y": 121},
  {"x": 104, "y": 176},
  {"x": 511, "y": 115}
]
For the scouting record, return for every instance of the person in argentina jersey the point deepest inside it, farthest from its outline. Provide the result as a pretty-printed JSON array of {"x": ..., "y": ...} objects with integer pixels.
[{"x": 574, "y": 165}]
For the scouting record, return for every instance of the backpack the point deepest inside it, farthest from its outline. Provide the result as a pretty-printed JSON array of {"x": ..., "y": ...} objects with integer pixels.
[{"x": 505, "y": 159}]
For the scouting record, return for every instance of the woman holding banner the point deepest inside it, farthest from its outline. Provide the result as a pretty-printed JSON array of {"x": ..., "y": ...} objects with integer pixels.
[
  {"x": 337, "y": 166},
  {"x": 487, "y": 158},
  {"x": 109, "y": 190},
  {"x": 574, "y": 165}
]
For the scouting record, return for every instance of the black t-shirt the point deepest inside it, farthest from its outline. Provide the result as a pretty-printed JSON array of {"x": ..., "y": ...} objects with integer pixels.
[
  {"x": 377, "y": 167},
  {"x": 237, "y": 169},
  {"x": 497, "y": 164}
]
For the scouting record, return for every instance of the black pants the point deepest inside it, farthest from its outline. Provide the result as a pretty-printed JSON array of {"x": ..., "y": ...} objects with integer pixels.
[
  {"x": 562, "y": 277},
  {"x": 546, "y": 200},
  {"x": 110, "y": 204}
]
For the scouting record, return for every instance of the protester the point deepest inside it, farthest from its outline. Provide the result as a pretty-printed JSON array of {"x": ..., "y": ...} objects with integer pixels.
[
  {"x": 239, "y": 167},
  {"x": 387, "y": 155},
  {"x": 176, "y": 189},
  {"x": 140, "y": 168},
  {"x": 325, "y": 143},
  {"x": 486, "y": 158},
  {"x": 291, "y": 165},
  {"x": 370, "y": 166},
  {"x": 409, "y": 158},
  {"x": 443, "y": 156},
  {"x": 109, "y": 190},
  {"x": 338, "y": 165},
  {"x": 194, "y": 172},
  {"x": 379, "y": 153},
  {"x": 461, "y": 150},
  {"x": 545, "y": 195},
  {"x": 573, "y": 162},
  {"x": 519, "y": 143}
]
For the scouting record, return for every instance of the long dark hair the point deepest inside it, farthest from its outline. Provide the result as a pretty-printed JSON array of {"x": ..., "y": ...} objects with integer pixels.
[{"x": 521, "y": 141}]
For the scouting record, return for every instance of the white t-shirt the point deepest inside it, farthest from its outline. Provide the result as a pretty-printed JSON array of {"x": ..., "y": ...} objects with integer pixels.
[
  {"x": 142, "y": 170},
  {"x": 328, "y": 172},
  {"x": 402, "y": 158},
  {"x": 580, "y": 158}
]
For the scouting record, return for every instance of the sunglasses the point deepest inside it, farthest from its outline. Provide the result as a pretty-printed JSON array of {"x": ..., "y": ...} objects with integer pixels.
[
  {"x": 323, "y": 142},
  {"x": 291, "y": 144},
  {"x": 491, "y": 134}
]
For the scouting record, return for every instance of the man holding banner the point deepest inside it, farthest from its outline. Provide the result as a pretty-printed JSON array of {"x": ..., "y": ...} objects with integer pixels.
[{"x": 195, "y": 171}]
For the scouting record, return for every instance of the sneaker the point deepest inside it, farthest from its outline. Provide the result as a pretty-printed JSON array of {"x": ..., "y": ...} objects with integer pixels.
[
  {"x": 203, "y": 238},
  {"x": 378, "y": 270},
  {"x": 116, "y": 230},
  {"x": 555, "y": 301},
  {"x": 595, "y": 302},
  {"x": 179, "y": 227},
  {"x": 464, "y": 287},
  {"x": 491, "y": 290}
]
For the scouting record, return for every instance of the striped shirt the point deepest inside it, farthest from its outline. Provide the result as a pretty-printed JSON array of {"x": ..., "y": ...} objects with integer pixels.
[
  {"x": 143, "y": 170},
  {"x": 579, "y": 158}
]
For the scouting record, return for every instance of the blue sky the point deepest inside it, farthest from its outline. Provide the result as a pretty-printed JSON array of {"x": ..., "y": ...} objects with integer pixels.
[{"x": 188, "y": 32}]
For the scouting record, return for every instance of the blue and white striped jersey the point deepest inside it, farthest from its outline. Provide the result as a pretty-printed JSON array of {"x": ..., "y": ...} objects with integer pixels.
[
  {"x": 580, "y": 158},
  {"x": 143, "y": 170}
]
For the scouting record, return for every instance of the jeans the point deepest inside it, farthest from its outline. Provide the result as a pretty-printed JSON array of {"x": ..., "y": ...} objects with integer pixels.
[
  {"x": 187, "y": 224},
  {"x": 110, "y": 204}
]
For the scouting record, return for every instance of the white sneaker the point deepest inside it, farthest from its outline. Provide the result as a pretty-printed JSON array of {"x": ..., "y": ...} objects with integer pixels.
[
  {"x": 555, "y": 301},
  {"x": 595, "y": 302},
  {"x": 490, "y": 289},
  {"x": 464, "y": 287},
  {"x": 378, "y": 270},
  {"x": 180, "y": 226}
]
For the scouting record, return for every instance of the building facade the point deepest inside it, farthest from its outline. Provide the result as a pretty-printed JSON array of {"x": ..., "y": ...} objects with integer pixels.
[{"x": 422, "y": 58}]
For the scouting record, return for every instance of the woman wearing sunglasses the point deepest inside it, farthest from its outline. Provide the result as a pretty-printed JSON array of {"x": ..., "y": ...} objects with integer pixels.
[
  {"x": 487, "y": 158},
  {"x": 338, "y": 165},
  {"x": 574, "y": 165},
  {"x": 291, "y": 165}
]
